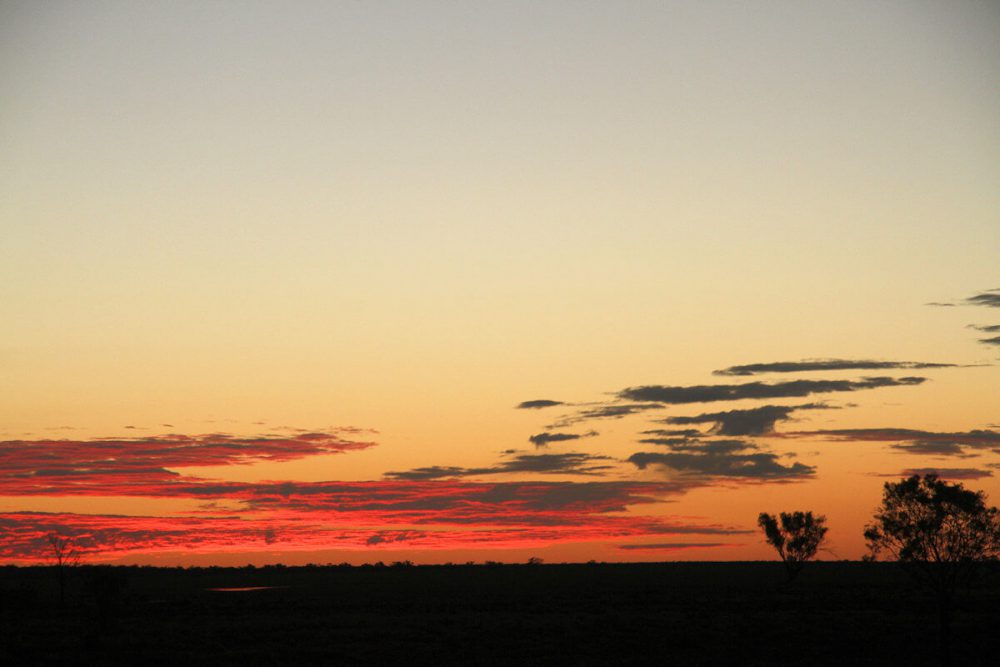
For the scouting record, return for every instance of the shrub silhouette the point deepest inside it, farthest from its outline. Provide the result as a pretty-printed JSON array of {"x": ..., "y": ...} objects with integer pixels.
[
  {"x": 795, "y": 535},
  {"x": 942, "y": 533},
  {"x": 64, "y": 554}
]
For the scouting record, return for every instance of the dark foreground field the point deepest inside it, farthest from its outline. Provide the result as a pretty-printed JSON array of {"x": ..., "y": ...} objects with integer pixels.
[{"x": 596, "y": 614}]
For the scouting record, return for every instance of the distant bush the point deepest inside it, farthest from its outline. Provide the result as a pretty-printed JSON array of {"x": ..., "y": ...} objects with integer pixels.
[{"x": 795, "y": 535}]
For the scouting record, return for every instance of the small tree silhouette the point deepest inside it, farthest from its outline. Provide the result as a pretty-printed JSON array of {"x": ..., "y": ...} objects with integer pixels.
[
  {"x": 942, "y": 533},
  {"x": 64, "y": 554},
  {"x": 795, "y": 535}
]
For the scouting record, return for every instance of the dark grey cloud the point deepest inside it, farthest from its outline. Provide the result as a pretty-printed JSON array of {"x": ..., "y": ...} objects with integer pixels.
[
  {"x": 543, "y": 439},
  {"x": 914, "y": 441},
  {"x": 610, "y": 411},
  {"x": 536, "y": 404},
  {"x": 568, "y": 463},
  {"x": 722, "y": 458},
  {"x": 934, "y": 448},
  {"x": 431, "y": 472},
  {"x": 600, "y": 496},
  {"x": 462, "y": 501},
  {"x": 390, "y": 536},
  {"x": 671, "y": 437},
  {"x": 756, "y": 465},
  {"x": 827, "y": 365},
  {"x": 673, "y": 546},
  {"x": 714, "y": 447},
  {"x": 946, "y": 473},
  {"x": 988, "y": 328},
  {"x": 758, "y": 390},
  {"x": 990, "y": 298},
  {"x": 754, "y": 421}
]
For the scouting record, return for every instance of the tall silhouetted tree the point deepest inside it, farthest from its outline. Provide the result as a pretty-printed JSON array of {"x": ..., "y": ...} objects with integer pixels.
[
  {"x": 942, "y": 533},
  {"x": 64, "y": 554},
  {"x": 795, "y": 535}
]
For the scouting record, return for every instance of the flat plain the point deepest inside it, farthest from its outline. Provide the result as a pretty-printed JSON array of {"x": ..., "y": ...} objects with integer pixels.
[{"x": 836, "y": 613}]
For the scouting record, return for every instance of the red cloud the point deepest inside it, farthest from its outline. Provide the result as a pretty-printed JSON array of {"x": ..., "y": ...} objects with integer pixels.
[
  {"x": 103, "y": 537},
  {"x": 391, "y": 502},
  {"x": 128, "y": 466},
  {"x": 287, "y": 515}
]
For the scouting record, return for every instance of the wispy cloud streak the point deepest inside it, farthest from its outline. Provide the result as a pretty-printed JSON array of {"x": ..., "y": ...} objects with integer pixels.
[
  {"x": 609, "y": 411},
  {"x": 543, "y": 439},
  {"x": 989, "y": 298},
  {"x": 946, "y": 473},
  {"x": 914, "y": 441},
  {"x": 758, "y": 390},
  {"x": 537, "y": 404},
  {"x": 827, "y": 365},
  {"x": 568, "y": 463},
  {"x": 676, "y": 546}
]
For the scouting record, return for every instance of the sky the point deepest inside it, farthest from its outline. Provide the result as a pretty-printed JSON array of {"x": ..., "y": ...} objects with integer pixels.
[{"x": 437, "y": 281}]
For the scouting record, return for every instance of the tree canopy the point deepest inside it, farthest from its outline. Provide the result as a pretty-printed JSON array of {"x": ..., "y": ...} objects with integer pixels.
[
  {"x": 795, "y": 535},
  {"x": 942, "y": 531}
]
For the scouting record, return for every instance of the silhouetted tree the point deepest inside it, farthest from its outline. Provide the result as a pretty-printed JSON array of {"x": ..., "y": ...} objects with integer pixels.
[
  {"x": 942, "y": 533},
  {"x": 795, "y": 535},
  {"x": 64, "y": 554}
]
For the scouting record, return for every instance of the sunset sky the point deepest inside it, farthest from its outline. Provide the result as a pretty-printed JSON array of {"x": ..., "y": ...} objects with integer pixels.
[{"x": 441, "y": 281}]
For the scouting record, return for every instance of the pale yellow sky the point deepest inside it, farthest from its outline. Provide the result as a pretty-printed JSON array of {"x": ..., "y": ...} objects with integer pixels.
[{"x": 410, "y": 217}]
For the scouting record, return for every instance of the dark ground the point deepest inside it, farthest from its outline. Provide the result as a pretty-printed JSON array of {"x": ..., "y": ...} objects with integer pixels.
[{"x": 592, "y": 614}]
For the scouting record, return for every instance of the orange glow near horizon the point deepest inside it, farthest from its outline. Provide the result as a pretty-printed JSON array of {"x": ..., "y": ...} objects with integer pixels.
[{"x": 441, "y": 282}]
